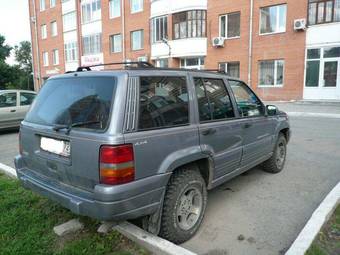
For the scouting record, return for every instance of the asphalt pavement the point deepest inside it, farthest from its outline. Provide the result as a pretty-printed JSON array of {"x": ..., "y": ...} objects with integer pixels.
[{"x": 266, "y": 211}]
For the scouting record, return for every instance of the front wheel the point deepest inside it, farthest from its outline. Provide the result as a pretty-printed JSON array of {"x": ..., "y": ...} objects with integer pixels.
[
  {"x": 184, "y": 205},
  {"x": 277, "y": 161}
]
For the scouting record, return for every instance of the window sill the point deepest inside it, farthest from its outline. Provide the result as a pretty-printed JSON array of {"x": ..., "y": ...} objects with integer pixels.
[
  {"x": 136, "y": 11},
  {"x": 115, "y": 52},
  {"x": 231, "y": 38},
  {"x": 190, "y": 38},
  {"x": 273, "y": 33},
  {"x": 270, "y": 86},
  {"x": 115, "y": 17},
  {"x": 324, "y": 24},
  {"x": 137, "y": 49},
  {"x": 91, "y": 21}
]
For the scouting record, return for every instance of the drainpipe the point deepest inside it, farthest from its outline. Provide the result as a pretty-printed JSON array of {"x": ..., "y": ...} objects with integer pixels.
[
  {"x": 250, "y": 53},
  {"x": 123, "y": 29},
  {"x": 36, "y": 45}
]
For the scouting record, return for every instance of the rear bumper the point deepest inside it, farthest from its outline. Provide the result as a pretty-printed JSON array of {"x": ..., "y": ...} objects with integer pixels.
[{"x": 122, "y": 202}]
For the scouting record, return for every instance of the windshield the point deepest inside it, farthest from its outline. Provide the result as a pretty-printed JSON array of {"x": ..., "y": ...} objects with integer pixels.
[{"x": 68, "y": 101}]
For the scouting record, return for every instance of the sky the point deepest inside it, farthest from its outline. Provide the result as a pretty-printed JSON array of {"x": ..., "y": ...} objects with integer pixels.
[{"x": 14, "y": 22}]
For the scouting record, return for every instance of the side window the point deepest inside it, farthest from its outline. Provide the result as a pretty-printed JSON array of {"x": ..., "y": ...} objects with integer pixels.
[
  {"x": 247, "y": 102},
  {"x": 8, "y": 100},
  {"x": 213, "y": 99},
  {"x": 163, "y": 102},
  {"x": 26, "y": 98}
]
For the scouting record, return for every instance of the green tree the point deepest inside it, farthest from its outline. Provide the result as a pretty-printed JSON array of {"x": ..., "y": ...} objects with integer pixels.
[
  {"x": 23, "y": 55},
  {"x": 5, "y": 49}
]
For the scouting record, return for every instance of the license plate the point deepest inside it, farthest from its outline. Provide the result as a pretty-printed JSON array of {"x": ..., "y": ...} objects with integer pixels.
[{"x": 59, "y": 147}]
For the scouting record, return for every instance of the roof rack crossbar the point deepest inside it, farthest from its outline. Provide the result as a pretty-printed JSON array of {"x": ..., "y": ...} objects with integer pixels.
[{"x": 140, "y": 64}]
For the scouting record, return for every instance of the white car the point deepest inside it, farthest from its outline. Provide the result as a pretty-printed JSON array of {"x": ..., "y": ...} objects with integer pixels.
[{"x": 14, "y": 105}]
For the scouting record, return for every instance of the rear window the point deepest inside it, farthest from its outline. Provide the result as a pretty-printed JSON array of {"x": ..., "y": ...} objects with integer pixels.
[{"x": 70, "y": 101}]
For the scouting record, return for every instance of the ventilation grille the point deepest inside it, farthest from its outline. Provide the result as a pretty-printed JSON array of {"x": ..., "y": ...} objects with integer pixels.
[{"x": 130, "y": 121}]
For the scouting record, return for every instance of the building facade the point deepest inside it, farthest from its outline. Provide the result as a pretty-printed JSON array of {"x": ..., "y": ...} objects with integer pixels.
[{"x": 284, "y": 49}]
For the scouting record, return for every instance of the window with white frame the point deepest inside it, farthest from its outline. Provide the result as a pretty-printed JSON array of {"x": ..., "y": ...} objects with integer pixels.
[
  {"x": 162, "y": 63},
  {"x": 92, "y": 44},
  {"x": 273, "y": 19},
  {"x": 116, "y": 43},
  {"x": 159, "y": 28},
  {"x": 90, "y": 11},
  {"x": 70, "y": 21},
  {"x": 231, "y": 68},
  {"x": 114, "y": 9},
  {"x": 137, "y": 40},
  {"x": 53, "y": 3},
  {"x": 271, "y": 73},
  {"x": 55, "y": 57},
  {"x": 193, "y": 63},
  {"x": 230, "y": 25},
  {"x": 136, "y": 5},
  {"x": 42, "y": 5},
  {"x": 71, "y": 51},
  {"x": 43, "y": 31},
  {"x": 45, "y": 58},
  {"x": 54, "y": 28}
]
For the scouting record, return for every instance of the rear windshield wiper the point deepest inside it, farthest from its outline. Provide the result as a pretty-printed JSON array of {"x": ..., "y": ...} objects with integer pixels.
[{"x": 68, "y": 128}]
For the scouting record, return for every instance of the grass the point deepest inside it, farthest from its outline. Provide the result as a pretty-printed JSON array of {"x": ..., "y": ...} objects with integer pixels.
[
  {"x": 328, "y": 240},
  {"x": 27, "y": 221}
]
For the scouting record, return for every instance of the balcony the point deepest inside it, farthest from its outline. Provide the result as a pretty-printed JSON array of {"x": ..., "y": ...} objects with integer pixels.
[
  {"x": 163, "y": 7},
  {"x": 180, "y": 48}
]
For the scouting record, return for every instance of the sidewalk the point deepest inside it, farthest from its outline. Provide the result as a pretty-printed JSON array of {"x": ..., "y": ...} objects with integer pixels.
[{"x": 328, "y": 109}]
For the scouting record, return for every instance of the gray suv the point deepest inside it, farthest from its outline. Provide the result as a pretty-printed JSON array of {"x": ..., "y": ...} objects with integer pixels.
[{"x": 146, "y": 143}]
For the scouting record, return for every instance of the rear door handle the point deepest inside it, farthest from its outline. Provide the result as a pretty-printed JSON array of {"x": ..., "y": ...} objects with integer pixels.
[
  {"x": 209, "y": 131},
  {"x": 247, "y": 125},
  {"x": 13, "y": 110}
]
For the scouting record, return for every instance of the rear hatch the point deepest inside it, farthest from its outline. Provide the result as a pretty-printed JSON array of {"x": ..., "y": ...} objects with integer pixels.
[{"x": 62, "y": 133}]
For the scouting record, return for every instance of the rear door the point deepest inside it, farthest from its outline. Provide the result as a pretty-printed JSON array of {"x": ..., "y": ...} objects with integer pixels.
[
  {"x": 8, "y": 109},
  {"x": 219, "y": 129},
  {"x": 258, "y": 129},
  {"x": 54, "y": 150}
]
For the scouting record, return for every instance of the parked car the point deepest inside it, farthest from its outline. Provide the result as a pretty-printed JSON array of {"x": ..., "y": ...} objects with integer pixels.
[
  {"x": 14, "y": 105},
  {"x": 146, "y": 142}
]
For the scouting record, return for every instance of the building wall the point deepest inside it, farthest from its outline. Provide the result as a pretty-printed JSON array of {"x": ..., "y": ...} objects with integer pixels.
[
  {"x": 48, "y": 44},
  {"x": 289, "y": 45}
]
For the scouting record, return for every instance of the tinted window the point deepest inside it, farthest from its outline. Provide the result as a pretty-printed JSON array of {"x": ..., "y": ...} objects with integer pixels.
[
  {"x": 247, "y": 102},
  {"x": 26, "y": 98},
  {"x": 74, "y": 100},
  {"x": 8, "y": 100},
  {"x": 163, "y": 102},
  {"x": 213, "y": 99}
]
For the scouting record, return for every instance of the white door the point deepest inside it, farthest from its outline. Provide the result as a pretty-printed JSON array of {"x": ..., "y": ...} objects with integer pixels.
[{"x": 323, "y": 74}]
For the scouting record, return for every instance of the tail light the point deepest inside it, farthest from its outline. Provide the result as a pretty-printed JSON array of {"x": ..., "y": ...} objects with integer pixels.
[{"x": 116, "y": 164}]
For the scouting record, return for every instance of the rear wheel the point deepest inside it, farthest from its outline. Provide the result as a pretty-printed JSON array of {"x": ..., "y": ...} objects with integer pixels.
[
  {"x": 277, "y": 161},
  {"x": 184, "y": 205}
]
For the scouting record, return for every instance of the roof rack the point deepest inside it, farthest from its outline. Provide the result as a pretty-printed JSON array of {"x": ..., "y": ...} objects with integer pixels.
[{"x": 139, "y": 64}]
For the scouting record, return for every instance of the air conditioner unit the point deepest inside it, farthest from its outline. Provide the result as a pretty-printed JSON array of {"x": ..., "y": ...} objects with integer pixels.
[
  {"x": 33, "y": 19},
  {"x": 218, "y": 42},
  {"x": 299, "y": 24},
  {"x": 143, "y": 59}
]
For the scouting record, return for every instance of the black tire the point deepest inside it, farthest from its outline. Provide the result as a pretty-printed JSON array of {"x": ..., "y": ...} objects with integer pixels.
[
  {"x": 182, "y": 181},
  {"x": 272, "y": 165}
]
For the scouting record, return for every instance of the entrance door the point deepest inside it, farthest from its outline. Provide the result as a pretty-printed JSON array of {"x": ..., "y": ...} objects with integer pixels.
[
  {"x": 323, "y": 74},
  {"x": 330, "y": 74}
]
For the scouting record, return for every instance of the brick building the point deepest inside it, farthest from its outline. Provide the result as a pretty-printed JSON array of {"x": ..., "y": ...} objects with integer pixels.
[{"x": 262, "y": 42}]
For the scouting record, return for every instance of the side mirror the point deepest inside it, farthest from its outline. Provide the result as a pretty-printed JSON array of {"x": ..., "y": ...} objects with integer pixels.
[{"x": 271, "y": 110}]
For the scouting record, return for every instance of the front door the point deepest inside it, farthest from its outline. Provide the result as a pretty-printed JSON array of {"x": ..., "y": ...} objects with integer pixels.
[
  {"x": 322, "y": 74},
  {"x": 258, "y": 129},
  {"x": 219, "y": 130}
]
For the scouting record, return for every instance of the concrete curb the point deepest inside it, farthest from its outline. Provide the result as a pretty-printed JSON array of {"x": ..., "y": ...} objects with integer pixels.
[
  {"x": 314, "y": 115},
  {"x": 315, "y": 223},
  {"x": 151, "y": 242},
  {"x": 8, "y": 170}
]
